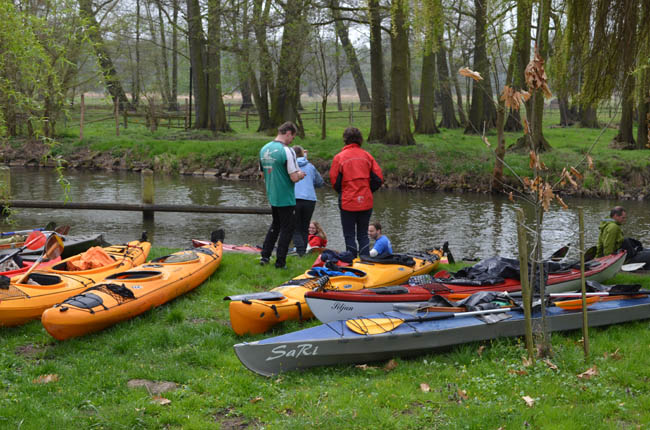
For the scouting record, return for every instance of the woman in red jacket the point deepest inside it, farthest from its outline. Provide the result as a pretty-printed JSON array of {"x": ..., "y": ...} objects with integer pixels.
[{"x": 355, "y": 175}]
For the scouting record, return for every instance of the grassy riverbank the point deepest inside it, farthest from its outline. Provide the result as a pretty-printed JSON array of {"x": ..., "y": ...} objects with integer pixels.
[
  {"x": 449, "y": 160},
  {"x": 189, "y": 342}
]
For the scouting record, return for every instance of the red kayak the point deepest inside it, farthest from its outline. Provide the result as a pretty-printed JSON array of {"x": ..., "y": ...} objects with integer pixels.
[{"x": 331, "y": 305}]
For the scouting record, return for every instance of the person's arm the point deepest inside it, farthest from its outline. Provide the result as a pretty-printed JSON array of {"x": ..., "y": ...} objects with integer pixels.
[
  {"x": 295, "y": 174},
  {"x": 610, "y": 237},
  {"x": 318, "y": 179},
  {"x": 376, "y": 175}
]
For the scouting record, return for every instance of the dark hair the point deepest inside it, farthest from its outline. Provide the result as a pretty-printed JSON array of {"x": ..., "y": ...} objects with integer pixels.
[
  {"x": 352, "y": 135},
  {"x": 376, "y": 225},
  {"x": 298, "y": 150},
  {"x": 288, "y": 126},
  {"x": 617, "y": 210}
]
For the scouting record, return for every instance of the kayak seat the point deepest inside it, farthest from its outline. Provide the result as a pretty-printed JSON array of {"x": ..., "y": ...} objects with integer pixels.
[
  {"x": 42, "y": 279},
  {"x": 134, "y": 274},
  {"x": 393, "y": 289},
  {"x": 403, "y": 260}
]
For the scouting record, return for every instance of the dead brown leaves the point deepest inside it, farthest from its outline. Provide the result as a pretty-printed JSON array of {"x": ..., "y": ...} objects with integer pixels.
[
  {"x": 46, "y": 379},
  {"x": 589, "y": 373},
  {"x": 468, "y": 73},
  {"x": 530, "y": 402},
  {"x": 536, "y": 78},
  {"x": 514, "y": 98},
  {"x": 391, "y": 365},
  {"x": 425, "y": 388}
]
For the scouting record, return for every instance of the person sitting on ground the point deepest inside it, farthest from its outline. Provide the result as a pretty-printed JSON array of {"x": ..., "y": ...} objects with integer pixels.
[
  {"x": 317, "y": 237},
  {"x": 610, "y": 238},
  {"x": 382, "y": 247}
]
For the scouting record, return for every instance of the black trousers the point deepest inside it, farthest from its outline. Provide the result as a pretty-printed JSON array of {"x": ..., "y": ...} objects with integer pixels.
[
  {"x": 304, "y": 211},
  {"x": 281, "y": 231},
  {"x": 355, "y": 225}
]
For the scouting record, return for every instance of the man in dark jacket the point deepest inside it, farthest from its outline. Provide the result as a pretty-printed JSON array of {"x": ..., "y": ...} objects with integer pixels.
[{"x": 355, "y": 175}]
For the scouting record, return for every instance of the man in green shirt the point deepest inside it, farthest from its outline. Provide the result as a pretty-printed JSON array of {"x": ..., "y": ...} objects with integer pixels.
[
  {"x": 281, "y": 172},
  {"x": 610, "y": 238}
]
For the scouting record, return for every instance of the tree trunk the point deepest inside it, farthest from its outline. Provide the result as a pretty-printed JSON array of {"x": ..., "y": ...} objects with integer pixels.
[
  {"x": 625, "y": 136},
  {"x": 323, "y": 129},
  {"x": 174, "y": 86},
  {"x": 399, "y": 131},
  {"x": 378, "y": 107},
  {"x": 446, "y": 101},
  {"x": 260, "y": 18},
  {"x": 218, "y": 120},
  {"x": 284, "y": 100},
  {"x": 135, "y": 96},
  {"x": 588, "y": 117},
  {"x": 156, "y": 59},
  {"x": 339, "y": 103},
  {"x": 426, "y": 120},
  {"x": 643, "y": 109},
  {"x": 111, "y": 80},
  {"x": 353, "y": 61},
  {"x": 567, "y": 112},
  {"x": 482, "y": 115},
  {"x": 165, "y": 62},
  {"x": 198, "y": 63}
]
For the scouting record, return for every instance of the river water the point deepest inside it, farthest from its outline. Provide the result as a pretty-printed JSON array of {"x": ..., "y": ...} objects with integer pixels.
[{"x": 474, "y": 225}]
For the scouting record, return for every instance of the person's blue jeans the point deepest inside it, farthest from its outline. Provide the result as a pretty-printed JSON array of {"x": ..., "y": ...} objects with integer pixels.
[{"x": 355, "y": 225}]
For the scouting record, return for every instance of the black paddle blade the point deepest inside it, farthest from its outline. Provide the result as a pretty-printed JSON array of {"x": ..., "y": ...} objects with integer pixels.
[
  {"x": 625, "y": 288},
  {"x": 144, "y": 237},
  {"x": 590, "y": 253},
  {"x": 560, "y": 253},
  {"x": 447, "y": 252},
  {"x": 50, "y": 226},
  {"x": 4, "y": 282},
  {"x": 217, "y": 236}
]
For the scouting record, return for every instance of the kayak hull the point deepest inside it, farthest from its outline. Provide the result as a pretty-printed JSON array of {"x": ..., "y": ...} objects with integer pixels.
[
  {"x": 334, "y": 343},
  {"x": 21, "y": 303},
  {"x": 125, "y": 295},
  {"x": 256, "y": 316},
  {"x": 335, "y": 305}
]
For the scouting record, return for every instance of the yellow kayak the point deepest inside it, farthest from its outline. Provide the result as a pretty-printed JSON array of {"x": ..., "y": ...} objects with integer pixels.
[
  {"x": 259, "y": 312},
  {"x": 20, "y": 303},
  {"x": 124, "y": 295}
]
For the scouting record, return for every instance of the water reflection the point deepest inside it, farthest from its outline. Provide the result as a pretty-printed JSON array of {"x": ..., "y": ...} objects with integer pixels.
[{"x": 474, "y": 225}]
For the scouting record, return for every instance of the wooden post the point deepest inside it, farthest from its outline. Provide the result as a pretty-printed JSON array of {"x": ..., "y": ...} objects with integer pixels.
[
  {"x": 147, "y": 193},
  {"x": 525, "y": 284},
  {"x": 117, "y": 116},
  {"x": 187, "y": 115},
  {"x": 228, "y": 113},
  {"x": 81, "y": 119},
  {"x": 247, "y": 113},
  {"x": 350, "y": 113},
  {"x": 126, "y": 119},
  {"x": 317, "y": 116},
  {"x": 583, "y": 283},
  {"x": 5, "y": 190}
]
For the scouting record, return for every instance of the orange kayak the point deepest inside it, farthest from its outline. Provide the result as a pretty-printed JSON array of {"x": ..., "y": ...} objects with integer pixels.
[
  {"x": 259, "y": 312},
  {"x": 124, "y": 295},
  {"x": 20, "y": 303}
]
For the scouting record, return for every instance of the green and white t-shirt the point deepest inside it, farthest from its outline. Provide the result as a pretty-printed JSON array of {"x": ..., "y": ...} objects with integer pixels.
[{"x": 278, "y": 161}]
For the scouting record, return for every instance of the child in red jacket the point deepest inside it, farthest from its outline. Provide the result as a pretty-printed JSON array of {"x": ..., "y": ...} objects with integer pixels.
[{"x": 317, "y": 237}]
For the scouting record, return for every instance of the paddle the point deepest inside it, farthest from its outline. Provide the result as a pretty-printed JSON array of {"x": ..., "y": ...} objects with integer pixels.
[
  {"x": 385, "y": 325},
  {"x": 62, "y": 230},
  {"x": 447, "y": 252},
  {"x": 560, "y": 253},
  {"x": 631, "y": 267},
  {"x": 53, "y": 248},
  {"x": 35, "y": 240},
  {"x": 590, "y": 253},
  {"x": 50, "y": 226}
]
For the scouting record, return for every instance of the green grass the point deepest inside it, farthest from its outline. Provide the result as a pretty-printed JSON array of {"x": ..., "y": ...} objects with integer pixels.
[{"x": 189, "y": 342}]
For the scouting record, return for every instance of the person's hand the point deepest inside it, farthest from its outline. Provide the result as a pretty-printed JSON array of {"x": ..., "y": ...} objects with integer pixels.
[{"x": 302, "y": 174}]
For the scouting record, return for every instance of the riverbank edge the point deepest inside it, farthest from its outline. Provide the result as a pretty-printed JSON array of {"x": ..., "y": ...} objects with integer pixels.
[{"x": 627, "y": 186}]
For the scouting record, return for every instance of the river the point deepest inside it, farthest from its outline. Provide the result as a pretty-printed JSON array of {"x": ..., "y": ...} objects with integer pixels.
[{"x": 474, "y": 225}]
